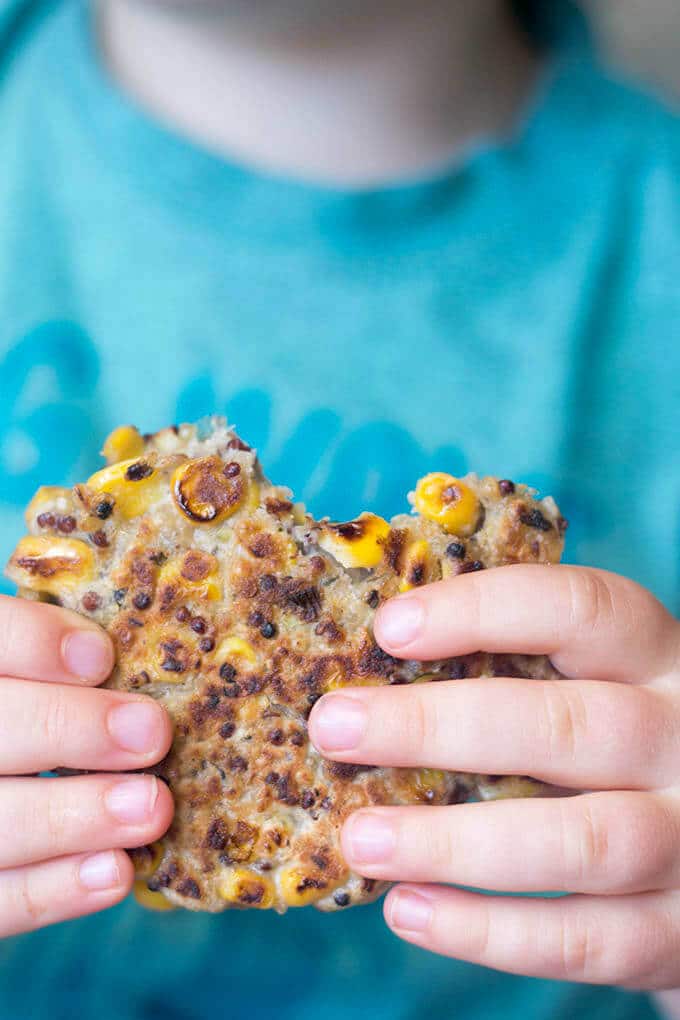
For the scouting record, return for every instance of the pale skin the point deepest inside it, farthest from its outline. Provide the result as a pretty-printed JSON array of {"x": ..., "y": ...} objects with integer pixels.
[{"x": 326, "y": 92}]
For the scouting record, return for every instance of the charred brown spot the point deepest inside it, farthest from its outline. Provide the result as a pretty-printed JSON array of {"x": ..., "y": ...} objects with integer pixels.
[
  {"x": 320, "y": 860},
  {"x": 471, "y": 566},
  {"x": 182, "y": 614},
  {"x": 344, "y": 769},
  {"x": 143, "y": 570},
  {"x": 455, "y": 551},
  {"x": 278, "y": 506},
  {"x": 242, "y": 841},
  {"x": 329, "y": 629},
  {"x": 46, "y": 520},
  {"x": 350, "y": 531},
  {"x": 99, "y": 538},
  {"x": 506, "y": 487},
  {"x": 416, "y": 574},
  {"x": 66, "y": 524},
  {"x": 262, "y": 545},
  {"x": 227, "y": 730},
  {"x": 373, "y": 599},
  {"x": 217, "y": 835},
  {"x": 142, "y": 600},
  {"x": 372, "y": 659},
  {"x": 203, "y": 491},
  {"x": 310, "y": 883},
  {"x": 533, "y": 518},
  {"x": 167, "y": 595},
  {"x": 451, "y": 494},
  {"x": 206, "y": 644},
  {"x": 303, "y": 599},
  {"x": 189, "y": 887},
  {"x": 394, "y": 547},
  {"x": 238, "y": 444},
  {"x": 251, "y": 894},
  {"x": 44, "y": 566},
  {"x": 197, "y": 565}
]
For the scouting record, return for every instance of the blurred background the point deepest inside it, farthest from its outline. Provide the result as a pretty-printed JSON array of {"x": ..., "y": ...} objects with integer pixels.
[{"x": 642, "y": 35}]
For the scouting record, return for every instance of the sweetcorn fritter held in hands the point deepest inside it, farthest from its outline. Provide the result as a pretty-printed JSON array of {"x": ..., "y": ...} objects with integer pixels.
[{"x": 235, "y": 609}]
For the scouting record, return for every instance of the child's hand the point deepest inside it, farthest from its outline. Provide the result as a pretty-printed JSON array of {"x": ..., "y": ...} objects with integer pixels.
[
  {"x": 613, "y": 727},
  {"x": 60, "y": 838}
]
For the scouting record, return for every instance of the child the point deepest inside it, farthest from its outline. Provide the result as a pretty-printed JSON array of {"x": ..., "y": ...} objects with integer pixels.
[{"x": 423, "y": 236}]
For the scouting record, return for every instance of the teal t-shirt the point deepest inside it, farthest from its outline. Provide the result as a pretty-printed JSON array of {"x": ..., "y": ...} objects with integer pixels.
[{"x": 517, "y": 313}]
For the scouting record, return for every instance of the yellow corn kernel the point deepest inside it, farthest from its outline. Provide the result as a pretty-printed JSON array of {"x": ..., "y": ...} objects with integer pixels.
[
  {"x": 429, "y": 783},
  {"x": 199, "y": 574},
  {"x": 253, "y": 500},
  {"x": 206, "y": 492},
  {"x": 146, "y": 859},
  {"x": 54, "y": 497},
  {"x": 48, "y": 564},
  {"x": 124, "y": 443},
  {"x": 235, "y": 646},
  {"x": 199, "y": 584},
  {"x": 134, "y": 485},
  {"x": 251, "y": 709},
  {"x": 298, "y": 889},
  {"x": 358, "y": 543},
  {"x": 416, "y": 563},
  {"x": 449, "y": 502},
  {"x": 148, "y": 899},
  {"x": 299, "y": 513},
  {"x": 245, "y": 887}
]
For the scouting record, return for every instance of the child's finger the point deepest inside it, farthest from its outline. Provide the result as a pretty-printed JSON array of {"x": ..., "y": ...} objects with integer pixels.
[
  {"x": 581, "y": 734},
  {"x": 45, "y": 818},
  {"x": 44, "y": 642},
  {"x": 632, "y": 940},
  {"x": 604, "y": 843},
  {"x": 49, "y": 726},
  {"x": 41, "y": 894},
  {"x": 592, "y": 623}
]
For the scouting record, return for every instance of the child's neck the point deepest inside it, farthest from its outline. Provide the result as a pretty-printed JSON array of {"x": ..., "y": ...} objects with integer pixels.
[{"x": 347, "y": 99}]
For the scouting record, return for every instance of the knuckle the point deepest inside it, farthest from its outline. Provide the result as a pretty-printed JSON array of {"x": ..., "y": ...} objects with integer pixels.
[
  {"x": 479, "y": 936},
  {"x": 29, "y": 903},
  {"x": 422, "y": 725},
  {"x": 586, "y": 844},
  {"x": 565, "y": 721},
  {"x": 579, "y": 949},
  {"x": 52, "y": 719},
  {"x": 55, "y": 818},
  {"x": 9, "y": 627},
  {"x": 617, "y": 843},
  {"x": 590, "y": 601}
]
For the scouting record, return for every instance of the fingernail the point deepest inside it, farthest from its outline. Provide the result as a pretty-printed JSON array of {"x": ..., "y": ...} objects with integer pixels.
[
  {"x": 401, "y": 621},
  {"x": 87, "y": 654},
  {"x": 410, "y": 912},
  {"x": 133, "y": 800},
  {"x": 339, "y": 723},
  {"x": 371, "y": 839},
  {"x": 134, "y": 726},
  {"x": 100, "y": 871}
]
